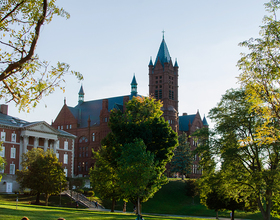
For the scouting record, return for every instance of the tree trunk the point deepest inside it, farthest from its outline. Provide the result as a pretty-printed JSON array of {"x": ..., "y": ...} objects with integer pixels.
[
  {"x": 47, "y": 198},
  {"x": 232, "y": 214},
  {"x": 138, "y": 207},
  {"x": 217, "y": 215},
  {"x": 38, "y": 198},
  {"x": 265, "y": 213},
  {"x": 113, "y": 205},
  {"x": 124, "y": 206}
]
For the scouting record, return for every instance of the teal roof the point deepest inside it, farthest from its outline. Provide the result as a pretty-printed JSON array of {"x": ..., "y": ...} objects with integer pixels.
[
  {"x": 81, "y": 92},
  {"x": 204, "y": 121},
  {"x": 134, "y": 81},
  {"x": 176, "y": 64},
  {"x": 163, "y": 54},
  {"x": 92, "y": 108},
  {"x": 184, "y": 122}
]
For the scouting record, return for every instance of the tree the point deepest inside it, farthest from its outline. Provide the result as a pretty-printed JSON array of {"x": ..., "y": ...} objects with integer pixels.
[
  {"x": 191, "y": 187},
  {"x": 42, "y": 173},
  {"x": 183, "y": 157},
  {"x": 141, "y": 119},
  {"x": 2, "y": 163},
  {"x": 24, "y": 77},
  {"x": 103, "y": 176},
  {"x": 249, "y": 167},
  {"x": 136, "y": 169}
]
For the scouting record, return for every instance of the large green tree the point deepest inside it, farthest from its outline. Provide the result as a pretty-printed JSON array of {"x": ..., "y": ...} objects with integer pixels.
[
  {"x": 136, "y": 169},
  {"x": 24, "y": 78},
  {"x": 42, "y": 173},
  {"x": 249, "y": 167},
  {"x": 183, "y": 157},
  {"x": 141, "y": 119},
  {"x": 103, "y": 176}
]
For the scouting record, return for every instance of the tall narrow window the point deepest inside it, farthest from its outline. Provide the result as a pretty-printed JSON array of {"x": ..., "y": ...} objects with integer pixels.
[
  {"x": 2, "y": 152},
  {"x": 14, "y": 137},
  {"x": 13, "y": 152},
  {"x": 160, "y": 94},
  {"x": 65, "y": 145},
  {"x": 65, "y": 159},
  {"x": 12, "y": 168},
  {"x": 93, "y": 136},
  {"x": 2, "y": 168},
  {"x": 3, "y": 136},
  {"x": 65, "y": 171},
  {"x": 57, "y": 156},
  {"x": 156, "y": 94}
]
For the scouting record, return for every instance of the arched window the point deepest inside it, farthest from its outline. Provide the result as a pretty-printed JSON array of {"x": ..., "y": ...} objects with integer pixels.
[{"x": 93, "y": 136}]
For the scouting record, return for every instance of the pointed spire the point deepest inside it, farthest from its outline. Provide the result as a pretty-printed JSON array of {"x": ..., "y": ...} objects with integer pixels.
[
  {"x": 204, "y": 121},
  {"x": 176, "y": 64},
  {"x": 163, "y": 53},
  {"x": 64, "y": 100},
  {"x": 81, "y": 95},
  {"x": 134, "y": 86},
  {"x": 151, "y": 62}
]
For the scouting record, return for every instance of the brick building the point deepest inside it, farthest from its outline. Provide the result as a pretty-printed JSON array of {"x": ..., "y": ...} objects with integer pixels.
[
  {"x": 19, "y": 136},
  {"x": 88, "y": 119}
]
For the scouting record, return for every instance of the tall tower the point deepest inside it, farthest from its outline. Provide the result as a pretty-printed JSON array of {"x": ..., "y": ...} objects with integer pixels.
[
  {"x": 134, "y": 86},
  {"x": 163, "y": 84},
  {"x": 81, "y": 95}
]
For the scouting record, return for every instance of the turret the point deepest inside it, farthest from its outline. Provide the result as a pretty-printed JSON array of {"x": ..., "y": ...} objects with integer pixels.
[
  {"x": 134, "y": 86},
  {"x": 81, "y": 95}
]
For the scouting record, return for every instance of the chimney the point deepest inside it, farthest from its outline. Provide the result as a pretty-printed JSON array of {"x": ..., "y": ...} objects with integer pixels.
[
  {"x": 4, "y": 109},
  {"x": 185, "y": 113}
]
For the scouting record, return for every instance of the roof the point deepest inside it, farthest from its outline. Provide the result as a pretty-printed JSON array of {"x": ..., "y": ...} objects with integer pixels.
[
  {"x": 163, "y": 54},
  {"x": 204, "y": 121},
  {"x": 134, "y": 81},
  {"x": 92, "y": 108},
  {"x": 10, "y": 121},
  {"x": 184, "y": 122},
  {"x": 81, "y": 92}
]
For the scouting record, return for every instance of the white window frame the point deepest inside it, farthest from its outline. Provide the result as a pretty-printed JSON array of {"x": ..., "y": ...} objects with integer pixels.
[
  {"x": 65, "y": 158},
  {"x": 57, "y": 155},
  {"x": 2, "y": 152},
  {"x": 13, "y": 152},
  {"x": 12, "y": 168},
  {"x": 3, "y": 136},
  {"x": 14, "y": 137},
  {"x": 2, "y": 170},
  {"x": 65, "y": 145},
  {"x": 65, "y": 171}
]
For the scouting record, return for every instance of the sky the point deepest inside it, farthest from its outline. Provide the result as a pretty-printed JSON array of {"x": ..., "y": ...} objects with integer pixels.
[{"x": 108, "y": 41}]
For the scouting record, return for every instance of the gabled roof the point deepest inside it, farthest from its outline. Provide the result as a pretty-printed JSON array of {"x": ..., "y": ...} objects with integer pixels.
[
  {"x": 163, "y": 54},
  {"x": 204, "y": 121},
  {"x": 184, "y": 122},
  {"x": 92, "y": 108}
]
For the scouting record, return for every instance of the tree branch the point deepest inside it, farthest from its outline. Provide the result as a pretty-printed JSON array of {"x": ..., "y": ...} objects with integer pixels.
[{"x": 15, "y": 8}]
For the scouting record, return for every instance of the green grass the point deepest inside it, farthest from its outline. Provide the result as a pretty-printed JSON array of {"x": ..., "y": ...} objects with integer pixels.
[
  {"x": 171, "y": 199},
  {"x": 9, "y": 210}
]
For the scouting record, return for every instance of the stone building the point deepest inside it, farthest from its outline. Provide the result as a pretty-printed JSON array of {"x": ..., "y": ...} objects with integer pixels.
[
  {"x": 88, "y": 119},
  {"x": 19, "y": 136}
]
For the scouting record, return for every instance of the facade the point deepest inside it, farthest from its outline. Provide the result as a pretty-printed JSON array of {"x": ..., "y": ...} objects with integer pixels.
[
  {"x": 19, "y": 136},
  {"x": 88, "y": 120}
]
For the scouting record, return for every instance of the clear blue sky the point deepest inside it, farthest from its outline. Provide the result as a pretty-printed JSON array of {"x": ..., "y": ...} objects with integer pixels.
[{"x": 108, "y": 41}]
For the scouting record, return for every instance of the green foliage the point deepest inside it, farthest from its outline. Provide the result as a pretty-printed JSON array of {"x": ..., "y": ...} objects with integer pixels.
[
  {"x": 42, "y": 173},
  {"x": 191, "y": 188},
  {"x": 78, "y": 182},
  {"x": 24, "y": 77},
  {"x": 136, "y": 169},
  {"x": 2, "y": 163},
  {"x": 248, "y": 168},
  {"x": 141, "y": 120},
  {"x": 183, "y": 157}
]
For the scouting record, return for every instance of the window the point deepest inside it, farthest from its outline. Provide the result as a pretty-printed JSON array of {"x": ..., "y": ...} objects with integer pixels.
[
  {"x": 170, "y": 94},
  {"x": 65, "y": 145},
  {"x": 65, "y": 171},
  {"x": 12, "y": 168},
  {"x": 2, "y": 152},
  {"x": 2, "y": 168},
  {"x": 156, "y": 94},
  {"x": 58, "y": 127},
  {"x": 3, "y": 136},
  {"x": 160, "y": 94},
  {"x": 86, "y": 154},
  {"x": 13, "y": 152},
  {"x": 14, "y": 137},
  {"x": 57, "y": 144},
  {"x": 57, "y": 155},
  {"x": 93, "y": 136},
  {"x": 66, "y": 126},
  {"x": 61, "y": 127},
  {"x": 70, "y": 126},
  {"x": 65, "y": 159}
]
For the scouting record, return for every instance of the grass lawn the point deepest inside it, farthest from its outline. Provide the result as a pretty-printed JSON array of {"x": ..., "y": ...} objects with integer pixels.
[{"x": 9, "y": 210}]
